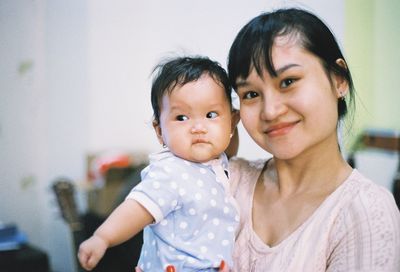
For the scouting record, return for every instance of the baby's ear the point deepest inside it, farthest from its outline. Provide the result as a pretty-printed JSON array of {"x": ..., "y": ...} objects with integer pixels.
[{"x": 157, "y": 129}]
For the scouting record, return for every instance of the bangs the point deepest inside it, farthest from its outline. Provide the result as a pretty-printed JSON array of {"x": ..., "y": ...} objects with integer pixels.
[{"x": 253, "y": 48}]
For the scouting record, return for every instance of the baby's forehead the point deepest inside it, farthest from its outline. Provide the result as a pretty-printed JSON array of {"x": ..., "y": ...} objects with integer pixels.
[
  {"x": 214, "y": 96},
  {"x": 205, "y": 76},
  {"x": 180, "y": 83}
]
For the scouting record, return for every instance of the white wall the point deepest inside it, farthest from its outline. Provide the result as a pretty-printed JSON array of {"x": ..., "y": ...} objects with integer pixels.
[
  {"x": 22, "y": 114},
  {"x": 126, "y": 40},
  {"x": 84, "y": 87},
  {"x": 43, "y": 115}
]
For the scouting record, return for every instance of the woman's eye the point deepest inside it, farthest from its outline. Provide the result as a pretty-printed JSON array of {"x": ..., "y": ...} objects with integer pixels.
[
  {"x": 212, "y": 114},
  {"x": 250, "y": 95},
  {"x": 182, "y": 117},
  {"x": 287, "y": 82}
]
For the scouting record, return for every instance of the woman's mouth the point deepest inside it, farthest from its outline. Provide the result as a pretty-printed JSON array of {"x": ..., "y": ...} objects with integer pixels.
[{"x": 280, "y": 129}]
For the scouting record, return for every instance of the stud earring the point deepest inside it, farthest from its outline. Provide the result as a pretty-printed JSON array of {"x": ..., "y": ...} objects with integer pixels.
[{"x": 164, "y": 146}]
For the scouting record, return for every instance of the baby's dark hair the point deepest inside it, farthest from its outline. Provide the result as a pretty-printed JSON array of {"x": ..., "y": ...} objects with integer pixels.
[{"x": 181, "y": 70}]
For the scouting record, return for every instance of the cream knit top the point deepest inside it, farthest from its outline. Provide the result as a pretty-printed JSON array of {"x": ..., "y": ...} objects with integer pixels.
[{"x": 356, "y": 228}]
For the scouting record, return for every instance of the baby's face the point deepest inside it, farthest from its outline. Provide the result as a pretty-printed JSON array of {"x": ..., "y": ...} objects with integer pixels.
[{"x": 195, "y": 120}]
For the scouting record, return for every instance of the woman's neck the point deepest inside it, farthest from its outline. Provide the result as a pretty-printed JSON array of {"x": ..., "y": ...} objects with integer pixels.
[{"x": 320, "y": 169}]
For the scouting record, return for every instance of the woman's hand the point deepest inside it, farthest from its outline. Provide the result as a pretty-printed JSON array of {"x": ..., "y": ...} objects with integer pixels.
[{"x": 170, "y": 268}]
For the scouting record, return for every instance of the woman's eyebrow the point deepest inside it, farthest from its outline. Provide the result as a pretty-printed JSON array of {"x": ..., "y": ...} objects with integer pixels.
[
  {"x": 241, "y": 83},
  {"x": 286, "y": 67},
  {"x": 244, "y": 83}
]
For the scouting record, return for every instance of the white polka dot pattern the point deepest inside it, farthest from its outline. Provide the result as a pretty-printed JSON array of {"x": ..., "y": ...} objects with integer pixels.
[{"x": 198, "y": 218}]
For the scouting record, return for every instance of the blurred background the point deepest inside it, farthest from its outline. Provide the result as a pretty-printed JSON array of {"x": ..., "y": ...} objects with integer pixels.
[{"x": 75, "y": 95}]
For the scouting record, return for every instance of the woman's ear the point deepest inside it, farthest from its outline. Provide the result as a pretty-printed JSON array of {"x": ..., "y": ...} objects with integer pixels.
[
  {"x": 157, "y": 129},
  {"x": 339, "y": 82}
]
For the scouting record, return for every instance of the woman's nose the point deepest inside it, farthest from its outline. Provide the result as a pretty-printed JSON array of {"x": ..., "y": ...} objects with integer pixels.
[
  {"x": 198, "y": 127},
  {"x": 273, "y": 107}
]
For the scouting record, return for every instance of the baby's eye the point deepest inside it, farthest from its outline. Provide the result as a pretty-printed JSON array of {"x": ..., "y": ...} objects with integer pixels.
[
  {"x": 182, "y": 117},
  {"x": 212, "y": 114},
  {"x": 287, "y": 82},
  {"x": 250, "y": 95}
]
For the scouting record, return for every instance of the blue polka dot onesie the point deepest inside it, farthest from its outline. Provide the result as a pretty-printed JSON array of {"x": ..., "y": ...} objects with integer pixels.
[{"x": 195, "y": 215}]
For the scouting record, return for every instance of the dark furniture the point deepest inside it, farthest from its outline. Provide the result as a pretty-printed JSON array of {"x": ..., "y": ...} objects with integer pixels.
[
  {"x": 121, "y": 258},
  {"x": 27, "y": 258}
]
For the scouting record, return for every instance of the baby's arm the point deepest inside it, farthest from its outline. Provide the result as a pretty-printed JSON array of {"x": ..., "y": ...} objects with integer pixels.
[{"x": 124, "y": 222}]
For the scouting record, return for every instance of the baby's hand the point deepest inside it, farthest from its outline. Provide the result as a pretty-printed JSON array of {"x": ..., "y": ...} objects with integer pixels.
[{"x": 91, "y": 251}]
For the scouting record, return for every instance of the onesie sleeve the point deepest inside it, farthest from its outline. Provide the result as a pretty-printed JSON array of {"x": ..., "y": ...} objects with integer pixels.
[
  {"x": 366, "y": 234},
  {"x": 157, "y": 192}
]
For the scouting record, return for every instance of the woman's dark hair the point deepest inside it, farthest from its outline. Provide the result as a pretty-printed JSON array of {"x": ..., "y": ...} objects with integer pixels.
[
  {"x": 181, "y": 70},
  {"x": 252, "y": 46}
]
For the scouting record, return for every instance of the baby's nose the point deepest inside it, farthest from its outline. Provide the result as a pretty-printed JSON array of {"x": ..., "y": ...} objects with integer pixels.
[{"x": 198, "y": 127}]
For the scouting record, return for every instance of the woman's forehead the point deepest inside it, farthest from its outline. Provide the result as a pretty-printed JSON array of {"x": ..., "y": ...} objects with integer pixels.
[{"x": 290, "y": 39}]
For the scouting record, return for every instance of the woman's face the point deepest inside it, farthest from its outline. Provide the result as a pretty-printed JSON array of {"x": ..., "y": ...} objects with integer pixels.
[{"x": 296, "y": 111}]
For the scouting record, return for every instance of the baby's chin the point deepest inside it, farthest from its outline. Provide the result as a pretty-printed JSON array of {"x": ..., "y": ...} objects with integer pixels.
[{"x": 199, "y": 158}]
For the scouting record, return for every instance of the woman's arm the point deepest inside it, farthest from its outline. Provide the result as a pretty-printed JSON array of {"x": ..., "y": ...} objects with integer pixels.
[
  {"x": 233, "y": 147},
  {"x": 366, "y": 236}
]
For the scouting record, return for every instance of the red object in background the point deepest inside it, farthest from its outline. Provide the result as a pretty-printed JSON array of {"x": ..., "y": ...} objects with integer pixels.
[
  {"x": 101, "y": 164},
  {"x": 118, "y": 161}
]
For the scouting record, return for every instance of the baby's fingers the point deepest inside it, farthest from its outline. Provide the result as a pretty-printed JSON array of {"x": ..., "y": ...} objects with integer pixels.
[
  {"x": 92, "y": 262},
  {"x": 83, "y": 259},
  {"x": 87, "y": 261}
]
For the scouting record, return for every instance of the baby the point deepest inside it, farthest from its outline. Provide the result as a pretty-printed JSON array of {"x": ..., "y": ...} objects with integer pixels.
[{"x": 183, "y": 202}]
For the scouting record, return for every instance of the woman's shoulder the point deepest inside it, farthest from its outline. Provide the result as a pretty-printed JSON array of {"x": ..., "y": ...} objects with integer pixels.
[
  {"x": 240, "y": 168},
  {"x": 238, "y": 163},
  {"x": 243, "y": 172},
  {"x": 369, "y": 200},
  {"x": 368, "y": 224},
  {"x": 368, "y": 190}
]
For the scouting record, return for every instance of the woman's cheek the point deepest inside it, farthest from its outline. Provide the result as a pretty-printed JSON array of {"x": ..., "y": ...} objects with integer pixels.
[{"x": 249, "y": 115}]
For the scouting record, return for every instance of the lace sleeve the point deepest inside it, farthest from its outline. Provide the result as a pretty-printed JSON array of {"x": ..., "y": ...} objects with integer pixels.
[{"x": 366, "y": 235}]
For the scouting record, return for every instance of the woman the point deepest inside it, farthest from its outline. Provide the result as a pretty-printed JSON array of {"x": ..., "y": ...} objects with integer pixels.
[{"x": 305, "y": 209}]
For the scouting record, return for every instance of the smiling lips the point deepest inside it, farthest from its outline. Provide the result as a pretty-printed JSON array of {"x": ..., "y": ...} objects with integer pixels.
[{"x": 280, "y": 129}]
